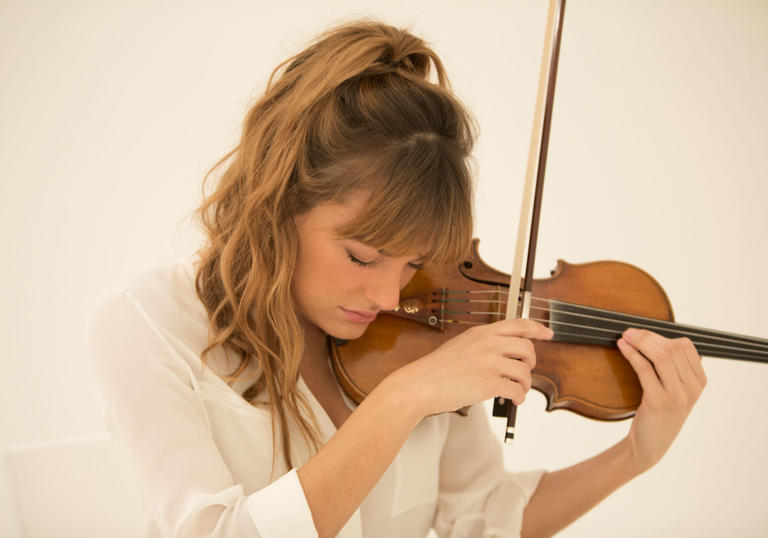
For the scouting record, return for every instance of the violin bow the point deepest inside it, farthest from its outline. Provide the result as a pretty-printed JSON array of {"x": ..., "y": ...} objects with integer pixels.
[{"x": 537, "y": 162}]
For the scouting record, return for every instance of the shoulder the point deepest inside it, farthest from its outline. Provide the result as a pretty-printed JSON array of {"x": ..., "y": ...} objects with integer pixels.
[
  {"x": 164, "y": 293},
  {"x": 159, "y": 306}
]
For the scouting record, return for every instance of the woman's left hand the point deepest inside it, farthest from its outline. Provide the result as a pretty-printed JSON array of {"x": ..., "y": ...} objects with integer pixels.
[{"x": 672, "y": 378}]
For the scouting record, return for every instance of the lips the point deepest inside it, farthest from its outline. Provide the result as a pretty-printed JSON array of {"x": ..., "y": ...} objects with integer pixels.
[{"x": 359, "y": 316}]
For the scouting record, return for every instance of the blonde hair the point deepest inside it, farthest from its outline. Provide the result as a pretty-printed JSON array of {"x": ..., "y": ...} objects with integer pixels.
[{"x": 354, "y": 111}]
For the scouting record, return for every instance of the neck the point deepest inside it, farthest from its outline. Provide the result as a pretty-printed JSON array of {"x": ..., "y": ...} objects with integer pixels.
[{"x": 315, "y": 353}]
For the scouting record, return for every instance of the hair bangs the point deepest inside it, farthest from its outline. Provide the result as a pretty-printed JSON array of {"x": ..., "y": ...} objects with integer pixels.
[{"x": 414, "y": 206}]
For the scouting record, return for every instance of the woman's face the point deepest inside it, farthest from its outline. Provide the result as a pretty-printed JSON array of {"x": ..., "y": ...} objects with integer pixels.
[{"x": 339, "y": 285}]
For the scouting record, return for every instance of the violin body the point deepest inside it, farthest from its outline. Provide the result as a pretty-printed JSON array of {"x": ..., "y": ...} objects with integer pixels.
[{"x": 439, "y": 303}]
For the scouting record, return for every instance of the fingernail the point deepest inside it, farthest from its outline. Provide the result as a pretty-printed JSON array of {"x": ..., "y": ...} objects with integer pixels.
[
  {"x": 629, "y": 333},
  {"x": 551, "y": 333}
]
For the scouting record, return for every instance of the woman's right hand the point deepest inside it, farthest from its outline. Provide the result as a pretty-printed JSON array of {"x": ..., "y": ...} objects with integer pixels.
[{"x": 474, "y": 366}]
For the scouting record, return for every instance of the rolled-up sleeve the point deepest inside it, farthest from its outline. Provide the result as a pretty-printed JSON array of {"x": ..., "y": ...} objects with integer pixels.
[
  {"x": 477, "y": 496},
  {"x": 268, "y": 509},
  {"x": 154, "y": 411}
]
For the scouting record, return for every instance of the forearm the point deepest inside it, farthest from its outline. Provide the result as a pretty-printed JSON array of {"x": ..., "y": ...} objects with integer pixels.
[
  {"x": 563, "y": 496},
  {"x": 339, "y": 477}
]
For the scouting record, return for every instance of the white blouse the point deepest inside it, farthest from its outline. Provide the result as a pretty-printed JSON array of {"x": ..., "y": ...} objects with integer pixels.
[{"x": 205, "y": 454}]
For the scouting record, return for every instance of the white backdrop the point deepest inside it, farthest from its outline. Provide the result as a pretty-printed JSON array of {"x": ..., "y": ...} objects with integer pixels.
[{"x": 111, "y": 112}]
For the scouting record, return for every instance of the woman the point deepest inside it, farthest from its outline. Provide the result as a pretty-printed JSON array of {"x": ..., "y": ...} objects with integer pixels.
[{"x": 350, "y": 174}]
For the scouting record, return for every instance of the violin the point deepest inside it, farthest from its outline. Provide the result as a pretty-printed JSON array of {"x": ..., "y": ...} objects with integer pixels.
[{"x": 587, "y": 306}]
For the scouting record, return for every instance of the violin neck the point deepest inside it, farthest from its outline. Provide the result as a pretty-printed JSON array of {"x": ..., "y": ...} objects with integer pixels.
[{"x": 588, "y": 325}]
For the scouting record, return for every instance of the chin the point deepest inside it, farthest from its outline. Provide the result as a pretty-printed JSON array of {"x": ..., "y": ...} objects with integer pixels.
[{"x": 347, "y": 331}]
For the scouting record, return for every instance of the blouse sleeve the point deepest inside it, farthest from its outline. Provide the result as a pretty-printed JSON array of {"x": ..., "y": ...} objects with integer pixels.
[
  {"x": 477, "y": 496},
  {"x": 153, "y": 410}
]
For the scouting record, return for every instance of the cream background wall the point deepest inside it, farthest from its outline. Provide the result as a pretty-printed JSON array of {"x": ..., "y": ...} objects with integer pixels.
[{"x": 111, "y": 112}]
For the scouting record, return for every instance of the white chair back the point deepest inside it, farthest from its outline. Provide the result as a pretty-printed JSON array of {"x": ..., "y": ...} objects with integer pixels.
[{"x": 74, "y": 487}]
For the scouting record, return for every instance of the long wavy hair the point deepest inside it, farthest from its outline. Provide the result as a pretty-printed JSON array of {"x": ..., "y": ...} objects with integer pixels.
[{"x": 356, "y": 111}]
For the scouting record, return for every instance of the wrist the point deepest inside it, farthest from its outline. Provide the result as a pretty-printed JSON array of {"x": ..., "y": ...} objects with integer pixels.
[
  {"x": 398, "y": 394},
  {"x": 629, "y": 461}
]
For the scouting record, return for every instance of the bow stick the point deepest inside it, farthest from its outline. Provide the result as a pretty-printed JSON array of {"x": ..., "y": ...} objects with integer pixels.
[{"x": 537, "y": 162}]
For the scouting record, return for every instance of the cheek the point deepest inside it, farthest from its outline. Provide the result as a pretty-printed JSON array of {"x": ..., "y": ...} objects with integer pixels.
[
  {"x": 323, "y": 282},
  {"x": 342, "y": 278}
]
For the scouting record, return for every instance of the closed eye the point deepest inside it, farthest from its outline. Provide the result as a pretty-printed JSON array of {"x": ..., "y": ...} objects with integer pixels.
[{"x": 359, "y": 262}]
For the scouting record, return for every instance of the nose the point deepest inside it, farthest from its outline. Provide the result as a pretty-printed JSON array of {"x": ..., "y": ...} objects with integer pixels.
[{"x": 384, "y": 289}]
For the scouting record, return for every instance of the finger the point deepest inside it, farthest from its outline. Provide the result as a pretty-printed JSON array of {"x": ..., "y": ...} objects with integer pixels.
[
  {"x": 517, "y": 348},
  {"x": 510, "y": 390},
  {"x": 643, "y": 367},
  {"x": 525, "y": 328},
  {"x": 694, "y": 359},
  {"x": 653, "y": 347},
  {"x": 682, "y": 363},
  {"x": 516, "y": 371}
]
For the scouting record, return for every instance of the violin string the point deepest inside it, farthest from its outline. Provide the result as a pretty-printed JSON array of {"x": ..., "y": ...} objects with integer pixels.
[
  {"x": 701, "y": 347},
  {"x": 661, "y": 326},
  {"x": 503, "y": 291},
  {"x": 652, "y": 324},
  {"x": 616, "y": 334},
  {"x": 676, "y": 332},
  {"x": 649, "y": 323},
  {"x": 671, "y": 325}
]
